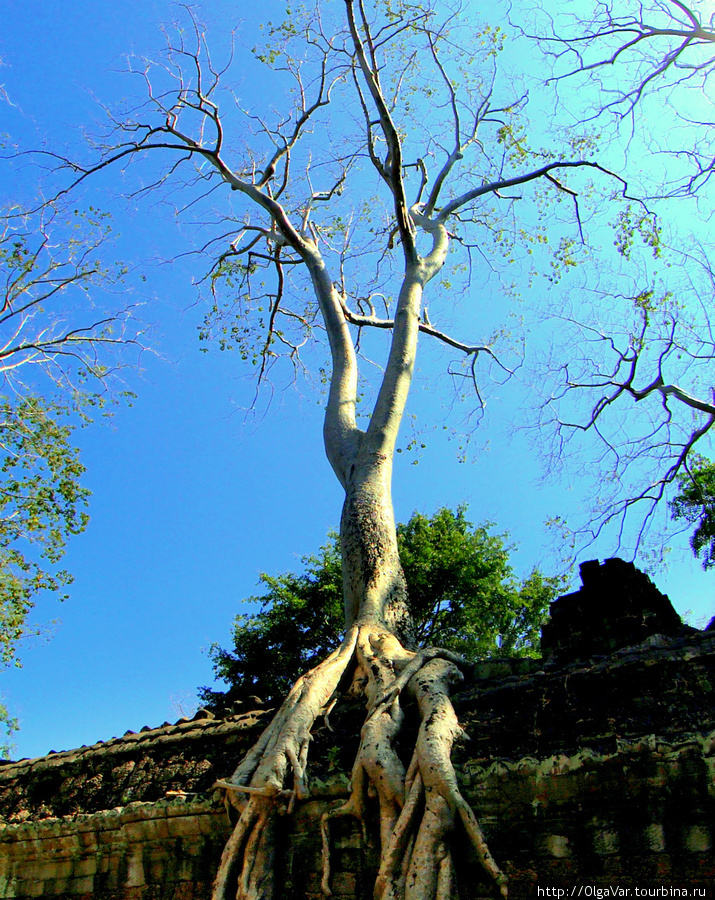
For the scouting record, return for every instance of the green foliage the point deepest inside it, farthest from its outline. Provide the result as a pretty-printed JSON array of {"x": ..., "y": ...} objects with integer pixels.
[
  {"x": 10, "y": 726},
  {"x": 462, "y": 590},
  {"x": 55, "y": 338},
  {"x": 41, "y": 504},
  {"x": 633, "y": 222},
  {"x": 299, "y": 623},
  {"x": 696, "y": 504}
]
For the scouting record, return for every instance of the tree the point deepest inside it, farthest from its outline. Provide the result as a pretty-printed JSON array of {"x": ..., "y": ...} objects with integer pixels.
[
  {"x": 461, "y": 591},
  {"x": 55, "y": 347},
  {"x": 696, "y": 504},
  {"x": 399, "y": 151},
  {"x": 639, "y": 385}
]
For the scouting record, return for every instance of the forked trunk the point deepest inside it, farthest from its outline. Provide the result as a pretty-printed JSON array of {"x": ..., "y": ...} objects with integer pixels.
[{"x": 419, "y": 798}]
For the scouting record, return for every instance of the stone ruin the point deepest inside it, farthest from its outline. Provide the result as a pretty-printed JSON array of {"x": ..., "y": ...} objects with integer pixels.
[
  {"x": 616, "y": 606},
  {"x": 593, "y": 766}
]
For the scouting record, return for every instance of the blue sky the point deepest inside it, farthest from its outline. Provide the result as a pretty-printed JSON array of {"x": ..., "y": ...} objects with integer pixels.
[{"x": 192, "y": 500}]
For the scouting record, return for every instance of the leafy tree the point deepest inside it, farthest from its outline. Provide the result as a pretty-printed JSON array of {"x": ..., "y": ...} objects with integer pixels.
[
  {"x": 55, "y": 344},
  {"x": 462, "y": 591},
  {"x": 462, "y": 594},
  {"x": 696, "y": 504},
  {"x": 42, "y": 503}
]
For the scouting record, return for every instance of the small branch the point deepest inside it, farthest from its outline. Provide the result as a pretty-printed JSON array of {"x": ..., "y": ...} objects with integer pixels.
[
  {"x": 495, "y": 186},
  {"x": 426, "y": 328}
]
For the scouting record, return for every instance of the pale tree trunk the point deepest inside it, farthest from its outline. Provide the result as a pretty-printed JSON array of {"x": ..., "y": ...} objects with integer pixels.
[
  {"x": 419, "y": 800},
  {"x": 420, "y": 804},
  {"x": 374, "y": 584}
]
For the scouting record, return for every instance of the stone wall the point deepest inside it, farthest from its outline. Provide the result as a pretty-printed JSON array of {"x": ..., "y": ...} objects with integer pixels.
[
  {"x": 143, "y": 850},
  {"x": 643, "y": 815},
  {"x": 595, "y": 771}
]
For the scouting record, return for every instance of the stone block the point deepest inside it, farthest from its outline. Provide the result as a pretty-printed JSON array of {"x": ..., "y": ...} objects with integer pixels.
[
  {"x": 346, "y": 860},
  {"x": 696, "y": 839},
  {"x": 348, "y": 840},
  {"x": 184, "y": 826},
  {"x": 84, "y": 885},
  {"x": 654, "y": 836},
  {"x": 606, "y": 842},
  {"x": 137, "y": 832},
  {"x": 84, "y": 866},
  {"x": 557, "y": 845},
  {"x": 343, "y": 884},
  {"x": 32, "y": 888},
  {"x": 135, "y": 869}
]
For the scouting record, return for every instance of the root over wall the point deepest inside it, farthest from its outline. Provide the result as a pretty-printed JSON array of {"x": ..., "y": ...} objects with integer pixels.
[{"x": 598, "y": 772}]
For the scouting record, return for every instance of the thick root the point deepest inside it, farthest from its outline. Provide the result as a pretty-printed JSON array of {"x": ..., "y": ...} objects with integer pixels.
[
  {"x": 419, "y": 808},
  {"x": 417, "y": 864},
  {"x": 262, "y": 773}
]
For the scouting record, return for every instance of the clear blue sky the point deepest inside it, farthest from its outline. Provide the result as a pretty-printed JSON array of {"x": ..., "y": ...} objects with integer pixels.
[{"x": 190, "y": 500}]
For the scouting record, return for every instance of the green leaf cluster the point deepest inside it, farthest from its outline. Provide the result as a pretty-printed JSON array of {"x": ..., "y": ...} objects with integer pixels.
[
  {"x": 41, "y": 504},
  {"x": 299, "y": 623},
  {"x": 696, "y": 504},
  {"x": 463, "y": 594},
  {"x": 10, "y": 726},
  {"x": 631, "y": 223}
]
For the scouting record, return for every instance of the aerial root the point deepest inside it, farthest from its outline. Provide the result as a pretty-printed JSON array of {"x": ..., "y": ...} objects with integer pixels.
[
  {"x": 420, "y": 659},
  {"x": 257, "y": 875},
  {"x": 417, "y": 863},
  {"x": 419, "y": 808},
  {"x": 474, "y": 831},
  {"x": 353, "y": 807},
  {"x": 397, "y": 853},
  {"x": 283, "y": 745},
  {"x": 430, "y": 851},
  {"x": 438, "y": 731},
  {"x": 232, "y": 850}
]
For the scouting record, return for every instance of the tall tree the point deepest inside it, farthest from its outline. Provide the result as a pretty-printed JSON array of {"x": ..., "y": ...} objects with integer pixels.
[{"x": 399, "y": 151}]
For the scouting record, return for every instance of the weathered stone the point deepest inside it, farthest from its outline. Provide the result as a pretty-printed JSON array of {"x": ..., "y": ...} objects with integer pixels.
[{"x": 617, "y": 606}]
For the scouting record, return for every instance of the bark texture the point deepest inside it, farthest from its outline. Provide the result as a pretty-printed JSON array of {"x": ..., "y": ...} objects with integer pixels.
[{"x": 419, "y": 801}]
